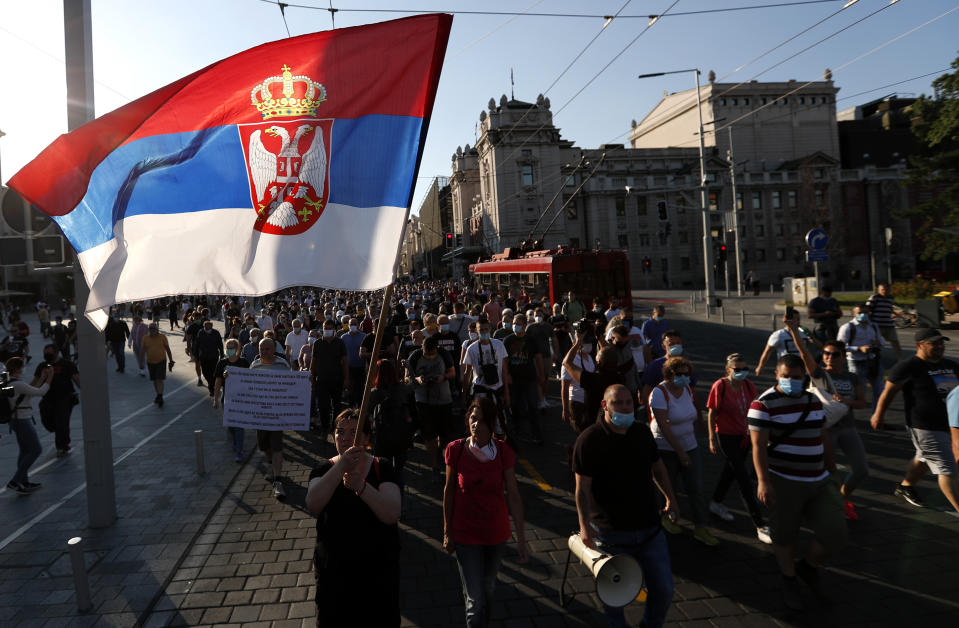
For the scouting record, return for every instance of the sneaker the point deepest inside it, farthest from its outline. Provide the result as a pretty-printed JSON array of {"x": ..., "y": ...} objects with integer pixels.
[
  {"x": 17, "y": 488},
  {"x": 850, "y": 510},
  {"x": 62, "y": 452},
  {"x": 704, "y": 536},
  {"x": 199, "y": 381},
  {"x": 909, "y": 494},
  {"x": 278, "y": 491},
  {"x": 762, "y": 533},
  {"x": 791, "y": 597},
  {"x": 720, "y": 511},
  {"x": 670, "y": 526}
]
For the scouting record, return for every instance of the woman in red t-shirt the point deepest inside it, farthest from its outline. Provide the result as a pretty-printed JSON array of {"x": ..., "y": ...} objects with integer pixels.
[
  {"x": 478, "y": 499},
  {"x": 728, "y": 404}
]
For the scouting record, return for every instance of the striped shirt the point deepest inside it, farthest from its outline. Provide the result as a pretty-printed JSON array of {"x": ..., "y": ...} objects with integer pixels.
[
  {"x": 798, "y": 456},
  {"x": 881, "y": 310}
]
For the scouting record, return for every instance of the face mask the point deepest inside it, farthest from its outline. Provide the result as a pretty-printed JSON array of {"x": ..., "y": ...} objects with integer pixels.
[
  {"x": 518, "y": 329},
  {"x": 675, "y": 350},
  {"x": 354, "y": 329},
  {"x": 539, "y": 319},
  {"x": 791, "y": 387},
  {"x": 622, "y": 420},
  {"x": 484, "y": 336},
  {"x": 862, "y": 318},
  {"x": 328, "y": 333},
  {"x": 444, "y": 328},
  {"x": 598, "y": 308},
  {"x": 329, "y": 317},
  {"x": 296, "y": 330},
  {"x": 230, "y": 353},
  {"x": 473, "y": 335},
  {"x": 681, "y": 380},
  {"x": 587, "y": 348},
  {"x": 740, "y": 375},
  {"x": 49, "y": 357}
]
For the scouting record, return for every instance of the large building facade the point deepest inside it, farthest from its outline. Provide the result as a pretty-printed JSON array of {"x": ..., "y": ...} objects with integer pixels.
[{"x": 522, "y": 180}]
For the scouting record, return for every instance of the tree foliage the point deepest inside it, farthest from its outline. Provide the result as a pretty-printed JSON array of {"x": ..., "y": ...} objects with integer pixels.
[{"x": 936, "y": 168}]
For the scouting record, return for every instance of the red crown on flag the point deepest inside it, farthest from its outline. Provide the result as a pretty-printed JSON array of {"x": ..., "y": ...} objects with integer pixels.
[{"x": 299, "y": 96}]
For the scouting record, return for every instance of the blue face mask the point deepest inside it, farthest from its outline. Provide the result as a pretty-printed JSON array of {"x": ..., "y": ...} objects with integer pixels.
[
  {"x": 484, "y": 336},
  {"x": 518, "y": 329},
  {"x": 444, "y": 327},
  {"x": 675, "y": 350},
  {"x": 622, "y": 420},
  {"x": 862, "y": 318},
  {"x": 740, "y": 375},
  {"x": 681, "y": 380},
  {"x": 791, "y": 387}
]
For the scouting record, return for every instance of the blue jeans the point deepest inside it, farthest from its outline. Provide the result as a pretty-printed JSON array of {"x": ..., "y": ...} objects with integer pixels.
[
  {"x": 237, "y": 433},
  {"x": 478, "y": 565},
  {"x": 648, "y": 546},
  {"x": 692, "y": 480},
  {"x": 118, "y": 354},
  {"x": 877, "y": 383},
  {"x": 29, "y": 445}
]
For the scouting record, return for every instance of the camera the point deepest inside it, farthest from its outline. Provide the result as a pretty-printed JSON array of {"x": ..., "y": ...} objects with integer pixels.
[{"x": 6, "y": 390}]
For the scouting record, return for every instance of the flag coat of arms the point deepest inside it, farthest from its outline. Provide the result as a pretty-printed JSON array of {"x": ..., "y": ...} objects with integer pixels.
[{"x": 292, "y": 163}]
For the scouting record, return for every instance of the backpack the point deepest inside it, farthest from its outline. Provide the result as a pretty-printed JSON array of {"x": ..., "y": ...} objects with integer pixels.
[
  {"x": 662, "y": 386},
  {"x": 7, "y": 409},
  {"x": 392, "y": 427}
]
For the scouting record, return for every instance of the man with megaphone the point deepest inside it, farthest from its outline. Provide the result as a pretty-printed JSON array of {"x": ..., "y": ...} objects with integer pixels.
[{"x": 617, "y": 469}]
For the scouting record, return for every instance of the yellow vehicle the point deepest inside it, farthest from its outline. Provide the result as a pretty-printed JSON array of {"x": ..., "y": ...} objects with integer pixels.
[{"x": 949, "y": 300}]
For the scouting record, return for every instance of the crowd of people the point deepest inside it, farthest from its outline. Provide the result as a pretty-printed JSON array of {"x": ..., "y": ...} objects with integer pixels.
[{"x": 466, "y": 371}]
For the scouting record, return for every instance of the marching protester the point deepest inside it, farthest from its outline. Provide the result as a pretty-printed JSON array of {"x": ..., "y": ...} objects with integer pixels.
[
  {"x": 156, "y": 353},
  {"x": 57, "y": 404},
  {"x": 863, "y": 342},
  {"x": 233, "y": 359},
  {"x": 356, "y": 501},
  {"x": 22, "y": 424},
  {"x": 479, "y": 497}
]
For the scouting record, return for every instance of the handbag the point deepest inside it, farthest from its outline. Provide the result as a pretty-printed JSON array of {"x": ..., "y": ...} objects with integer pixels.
[{"x": 833, "y": 410}]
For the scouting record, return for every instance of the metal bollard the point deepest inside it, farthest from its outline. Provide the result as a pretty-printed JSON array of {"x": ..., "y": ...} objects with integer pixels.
[
  {"x": 742, "y": 318},
  {"x": 722, "y": 314},
  {"x": 707, "y": 308},
  {"x": 198, "y": 438},
  {"x": 774, "y": 322},
  {"x": 80, "y": 581},
  {"x": 694, "y": 307}
]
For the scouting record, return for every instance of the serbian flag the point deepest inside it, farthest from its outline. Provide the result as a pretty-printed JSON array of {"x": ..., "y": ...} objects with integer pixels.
[{"x": 289, "y": 164}]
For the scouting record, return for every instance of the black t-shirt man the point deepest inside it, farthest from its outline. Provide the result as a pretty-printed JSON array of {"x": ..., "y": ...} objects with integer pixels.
[
  {"x": 222, "y": 365},
  {"x": 620, "y": 467},
  {"x": 62, "y": 383},
  {"x": 924, "y": 388},
  {"x": 522, "y": 358},
  {"x": 328, "y": 355}
]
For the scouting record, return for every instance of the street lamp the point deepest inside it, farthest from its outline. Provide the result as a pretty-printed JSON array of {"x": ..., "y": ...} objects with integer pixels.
[{"x": 707, "y": 245}]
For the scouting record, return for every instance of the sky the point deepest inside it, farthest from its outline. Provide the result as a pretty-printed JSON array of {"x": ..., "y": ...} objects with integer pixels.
[{"x": 139, "y": 46}]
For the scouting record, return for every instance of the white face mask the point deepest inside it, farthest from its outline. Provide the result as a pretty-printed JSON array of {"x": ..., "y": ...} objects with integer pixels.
[
  {"x": 473, "y": 335},
  {"x": 539, "y": 319},
  {"x": 328, "y": 332},
  {"x": 354, "y": 328}
]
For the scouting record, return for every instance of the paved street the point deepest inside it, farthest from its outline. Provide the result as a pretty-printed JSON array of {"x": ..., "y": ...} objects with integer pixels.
[{"x": 219, "y": 549}]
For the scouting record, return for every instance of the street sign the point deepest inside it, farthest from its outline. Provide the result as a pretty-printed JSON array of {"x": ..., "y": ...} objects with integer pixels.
[
  {"x": 817, "y": 239},
  {"x": 817, "y": 256}
]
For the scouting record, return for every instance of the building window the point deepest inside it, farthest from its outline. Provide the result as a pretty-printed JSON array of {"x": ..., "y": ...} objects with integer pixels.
[
  {"x": 794, "y": 228},
  {"x": 527, "y": 152},
  {"x": 745, "y": 256},
  {"x": 644, "y": 239},
  {"x": 713, "y": 201},
  {"x": 574, "y": 242},
  {"x": 570, "y": 179},
  {"x": 757, "y": 199},
  {"x": 777, "y": 199},
  {"x": 662, "y": 238},
  {"x": 820, "y": 197},
  {"x": 683, "y": 236},
  {"x": 640, "y": 205},
  {"x": 791, "y": 199},
  {"x": 817, "y": 173},
  {"x": 746, "y": 101},
  {"x": 680, "y": 204},
  {"x": 802, "y": 100},
  {"x": 664, "y": 264},
  {"x": 780, "y": 254},
  {"x": 780, "y": 231},
  {"x": 760, "y": 255},
  {"x": 623, "y": 241},
  {"x": 527, "y": 174},
  {"x": 739, "y": 201},
  {"x": 620, "y": 205},
  {"x": 722, "y": 101},
  {"x": 684, "y": 263},
  {"x": 760, "y": 231},
  {"x": 763, "y": 100},
  {"x": 529, "y": 209},
  {"x": 735, "y": 101}
]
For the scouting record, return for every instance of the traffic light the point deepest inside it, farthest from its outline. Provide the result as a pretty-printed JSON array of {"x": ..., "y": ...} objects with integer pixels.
[
  {"x": 669, "y": 229},
  {"x": 459, "y": 240},
  {"x": 661, "y": 206},
  {"x": 449, "y": 240},
  {"x": 647, "y": 265},
  {"x": 722, "y": 252}
]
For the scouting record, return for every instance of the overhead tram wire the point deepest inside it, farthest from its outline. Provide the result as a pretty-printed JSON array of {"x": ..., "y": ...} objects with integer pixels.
[
  {"x": 844, "y": 65},
  {"x": 669, "y": 111},
  {"x": 558, "y": 15}
]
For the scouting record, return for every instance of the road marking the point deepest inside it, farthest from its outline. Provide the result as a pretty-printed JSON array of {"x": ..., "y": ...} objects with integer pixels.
[
  {"x": 54, "y": 460},
  {"x": 53, "y": 507},
  {"x": 539, "y": 479}
]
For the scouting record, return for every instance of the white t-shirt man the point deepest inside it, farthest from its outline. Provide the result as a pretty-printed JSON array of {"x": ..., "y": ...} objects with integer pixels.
[
  {"x": 295, "y": 341},
  {"x": 782, "y": 341},
  {"x": 479, "y": 354},
  {"x": 576, "y": 392}
]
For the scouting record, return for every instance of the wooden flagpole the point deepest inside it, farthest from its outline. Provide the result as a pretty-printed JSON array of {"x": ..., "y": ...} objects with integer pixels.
[{"x": 371, "y": 373}]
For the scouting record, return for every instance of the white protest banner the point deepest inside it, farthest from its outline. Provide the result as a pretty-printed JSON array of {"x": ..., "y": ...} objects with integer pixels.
[{"x": 267, "y": 399}]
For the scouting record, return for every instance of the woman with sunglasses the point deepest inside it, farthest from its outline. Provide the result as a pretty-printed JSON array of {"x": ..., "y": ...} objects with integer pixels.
[
  {"x": 845, "y": 387},
  {"x": 676, "y": 415},
  {"x": 727, "y": 406}
]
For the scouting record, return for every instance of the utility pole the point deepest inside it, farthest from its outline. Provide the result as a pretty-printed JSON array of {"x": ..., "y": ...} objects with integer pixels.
[
  {"x": 97, "y": 435},
  {"x": 707, "y": 234},
  {"x": 736, "y": 251}
]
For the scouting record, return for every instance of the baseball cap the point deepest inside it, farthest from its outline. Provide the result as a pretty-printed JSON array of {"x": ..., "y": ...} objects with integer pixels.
[{"x": 929, "y": 335}]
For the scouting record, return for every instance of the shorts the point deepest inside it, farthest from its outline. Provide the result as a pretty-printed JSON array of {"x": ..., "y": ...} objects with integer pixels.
[
  {"x": 157, "y": 370},
  {"x": 818, "y": 503},
  {"x": 434, "y": 419},
  {"x": 268, "y": 440},
  {"x": 889, "y": 334},
  {"x": 935, "y": 449}
]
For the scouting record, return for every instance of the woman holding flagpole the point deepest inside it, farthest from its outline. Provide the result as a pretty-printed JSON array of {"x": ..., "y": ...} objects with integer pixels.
[{"x": 356, "y": 501}]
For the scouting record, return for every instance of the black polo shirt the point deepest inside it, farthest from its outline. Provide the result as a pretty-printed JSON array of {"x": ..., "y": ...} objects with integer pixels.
[{"x": 620, "y": 466}]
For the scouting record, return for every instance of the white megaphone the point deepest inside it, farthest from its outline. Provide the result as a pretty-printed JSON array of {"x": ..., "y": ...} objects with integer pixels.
[{"x": 618, "y": 578}]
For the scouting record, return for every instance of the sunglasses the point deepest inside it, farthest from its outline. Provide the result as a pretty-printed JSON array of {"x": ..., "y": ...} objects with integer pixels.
[
  {"x": 832, "y": 352},
  {"x": 741, "y": 369}
]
